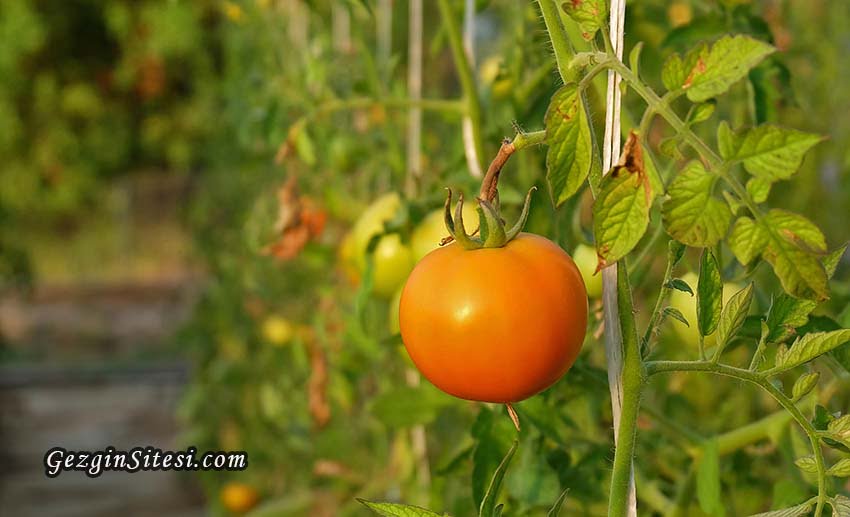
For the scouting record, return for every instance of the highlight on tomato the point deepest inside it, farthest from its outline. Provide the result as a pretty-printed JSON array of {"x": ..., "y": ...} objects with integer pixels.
[{"x": 497, "y": 317}]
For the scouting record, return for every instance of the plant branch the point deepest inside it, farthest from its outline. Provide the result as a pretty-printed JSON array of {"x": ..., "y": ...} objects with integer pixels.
[
  {"x": 654, "y": 367},
  {"x": 632, "y": 378},
  {"x": 655, "y": 319}
]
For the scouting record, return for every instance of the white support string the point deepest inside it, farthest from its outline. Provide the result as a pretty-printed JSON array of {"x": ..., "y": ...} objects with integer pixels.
[{"x": 610, "y": 153}]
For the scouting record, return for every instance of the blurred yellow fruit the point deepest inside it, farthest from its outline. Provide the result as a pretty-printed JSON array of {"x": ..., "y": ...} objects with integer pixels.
[
  {"x": 238, "y": 497},
  {"x": 277, "y": 330},
  {"x": 393, "y": 262},
  {"x": 585, "y": 258},
  {"x": 393, "y": 311},
  {"x": 427, "y": 236},
  {"x": 679, "y": 13}
]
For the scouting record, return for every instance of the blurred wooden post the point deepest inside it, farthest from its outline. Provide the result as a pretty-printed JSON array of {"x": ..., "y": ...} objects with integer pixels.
[{"x": 610, "y": 153}]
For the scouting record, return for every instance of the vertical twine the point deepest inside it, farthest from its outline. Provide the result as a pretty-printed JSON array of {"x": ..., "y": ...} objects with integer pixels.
[{"x": 610, "y": 152}]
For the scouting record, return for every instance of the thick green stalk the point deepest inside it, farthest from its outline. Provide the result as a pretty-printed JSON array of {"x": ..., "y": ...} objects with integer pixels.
[
  {"x": 466, "y": 77},
  {"x": 633, "y": 381},
  {"x": 762, "y": 381},
  {"x": 558, "y": 37}
]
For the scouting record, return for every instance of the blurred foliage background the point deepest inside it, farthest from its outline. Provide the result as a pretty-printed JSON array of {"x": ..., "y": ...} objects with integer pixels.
[{"x": 142, "y": 139}]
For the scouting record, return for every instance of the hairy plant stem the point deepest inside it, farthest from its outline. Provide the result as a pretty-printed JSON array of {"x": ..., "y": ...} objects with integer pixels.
[
  {"x": 558, "y": 37},
  {"x": 654, "y": 367},
  {"x": 467, "y": 83},
  {"x": 633, "y": 378}
]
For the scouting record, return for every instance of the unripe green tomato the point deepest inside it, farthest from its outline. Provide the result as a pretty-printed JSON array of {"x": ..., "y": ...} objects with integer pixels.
[
  {"x": 687, "y": 305},
  {"x": 427, "y": 235},
  {"x": 370, "y": 223},
  {"x": 393, "y": 262},
  {"x": 585, "y": 258}
]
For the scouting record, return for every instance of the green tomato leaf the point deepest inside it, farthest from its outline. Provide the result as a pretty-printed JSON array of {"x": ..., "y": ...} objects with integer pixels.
[
  {"x": 786, "y": 313},
  {"x": 708, "y": 479},
  {"x": 488, "y": 504},
  {"x": 555, "y": 511},
  {"x": 676, "y": 314},
  {"x": 840, "y": 506},
  {"x": 800, "y": 272},
  {"x": 798, "y": 230},
  {"x": 571, "y": 155},
  {"x": 494, "y": 435},
  {"x": 679, "y": 285},
  {"x": 807, "y": 464},
  {"x": 759, "y": 189},
  {"x": 794, "y": 511},
  {"x": 707, "y": 72},
  {"x": 840, "y": 469},
  {"x": 804, "y": 384},
  {"x": 691, "y": 213},
  {"x": 747, "y": 240},
  {"x": 840, "y": 427},
  {"x": 709, "y": 293},
  {"x": 830, "y": 262},
  {"x": 768, "y": 152},
  {"x": 621, "y": 210},
  {"x": 589, "y": 14},
  {"x": 733, "y": 316},
  {"x": 398, "y": 510},
  {"x": 809, "y": 347},
  {"x": 702, "y": 112}
]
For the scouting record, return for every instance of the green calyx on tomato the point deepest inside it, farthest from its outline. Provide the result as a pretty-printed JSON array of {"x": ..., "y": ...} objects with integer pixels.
[{"x": 491, "y": 226}]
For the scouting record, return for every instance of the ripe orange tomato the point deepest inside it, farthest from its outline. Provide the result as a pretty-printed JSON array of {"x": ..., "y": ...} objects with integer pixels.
[{"x": 494, "y": 324}]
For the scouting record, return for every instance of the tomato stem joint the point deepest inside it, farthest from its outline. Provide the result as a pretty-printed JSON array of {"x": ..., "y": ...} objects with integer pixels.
[{"x": 491, "y": 232}]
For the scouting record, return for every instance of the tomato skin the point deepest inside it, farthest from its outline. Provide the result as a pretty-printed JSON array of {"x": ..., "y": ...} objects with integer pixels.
[{"x": 494, "y": 324}]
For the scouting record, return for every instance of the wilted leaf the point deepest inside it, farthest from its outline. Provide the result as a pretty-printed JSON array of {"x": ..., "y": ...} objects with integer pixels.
[
  {"x": 571, "y": 152},
  {"x": 709, "y": 71},
  {"x": 621, "y": 210},
  {"x": 709, "y": 294},
  {"x": 767, "y": 152},
  {"x": 691, "y": 214}
]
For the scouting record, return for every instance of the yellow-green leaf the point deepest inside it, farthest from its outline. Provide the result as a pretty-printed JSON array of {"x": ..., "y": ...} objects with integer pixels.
[
  {"x": 571, "y": 154},
  {"x": 733, "y": 316},
  {"x": 767, "y": 151},
  {"x": 692, "y": 214},
  {"x": 747, "y": 240},
  {"x": 589, "y": 14},
  {"x": 810, "y": 346}
]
